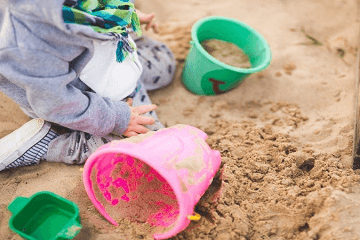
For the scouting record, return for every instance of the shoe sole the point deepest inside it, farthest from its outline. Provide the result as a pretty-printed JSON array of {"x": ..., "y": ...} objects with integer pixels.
[{"x": 15, "y": 144}]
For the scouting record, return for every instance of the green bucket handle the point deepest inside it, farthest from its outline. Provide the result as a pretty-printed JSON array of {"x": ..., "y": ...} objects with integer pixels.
[{"x": 17, "y": 204}]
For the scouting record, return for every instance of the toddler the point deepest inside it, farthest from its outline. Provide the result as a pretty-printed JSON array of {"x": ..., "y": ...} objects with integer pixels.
[{"x": 81, "y": 70}]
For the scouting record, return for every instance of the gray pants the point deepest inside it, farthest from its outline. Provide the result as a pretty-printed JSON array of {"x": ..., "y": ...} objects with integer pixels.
[{"x": 74, "y": 147}]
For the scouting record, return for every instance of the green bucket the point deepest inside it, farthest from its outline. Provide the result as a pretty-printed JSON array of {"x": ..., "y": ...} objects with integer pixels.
[
  {"x": 44, "y": 216},
  {"x": 205, "y": 75}
]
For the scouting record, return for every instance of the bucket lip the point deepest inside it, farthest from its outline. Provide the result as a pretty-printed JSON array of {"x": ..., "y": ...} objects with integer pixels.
[
  {"x": 53, "y": 195},
  {"x": 195, "y": 40},
  {"x": 141, "y": 156}
]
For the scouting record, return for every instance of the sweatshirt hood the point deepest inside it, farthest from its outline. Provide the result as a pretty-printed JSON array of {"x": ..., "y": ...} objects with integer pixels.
[
  {"x": 43, "y": 10},
  {"x": 51, "y": 12}
]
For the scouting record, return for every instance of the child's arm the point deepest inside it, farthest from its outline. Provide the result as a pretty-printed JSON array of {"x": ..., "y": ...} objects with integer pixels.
[{"x": 45, "y": 80}]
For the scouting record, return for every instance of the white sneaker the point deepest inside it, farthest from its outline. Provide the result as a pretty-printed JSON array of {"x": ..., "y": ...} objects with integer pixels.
[{"x": 26, "y": 145}]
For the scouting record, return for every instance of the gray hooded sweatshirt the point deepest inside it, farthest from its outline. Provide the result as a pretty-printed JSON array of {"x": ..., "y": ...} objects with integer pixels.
[{"x": 41, "y": 58}]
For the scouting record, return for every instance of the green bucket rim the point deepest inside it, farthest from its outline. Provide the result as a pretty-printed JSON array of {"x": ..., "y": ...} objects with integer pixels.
[{"x": 195, "y": 41}]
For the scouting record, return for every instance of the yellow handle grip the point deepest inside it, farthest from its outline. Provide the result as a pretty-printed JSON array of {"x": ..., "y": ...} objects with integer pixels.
[{"x": 195, "y": 217}]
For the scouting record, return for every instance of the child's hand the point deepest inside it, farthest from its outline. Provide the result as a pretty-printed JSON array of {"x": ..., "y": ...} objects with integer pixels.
[
  {"x": 148, "y": 19},
  {"x": 137, "y": 122}
]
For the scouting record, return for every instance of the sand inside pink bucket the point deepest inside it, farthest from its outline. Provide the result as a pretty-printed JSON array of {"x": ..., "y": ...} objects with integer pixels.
[{"x": 133, "y": 191}]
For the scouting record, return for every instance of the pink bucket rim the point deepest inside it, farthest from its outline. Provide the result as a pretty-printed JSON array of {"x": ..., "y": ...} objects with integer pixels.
[{"x": 182, "y": 219}]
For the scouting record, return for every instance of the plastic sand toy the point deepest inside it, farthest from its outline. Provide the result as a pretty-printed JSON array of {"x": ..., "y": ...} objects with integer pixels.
[
  {"x": 157, "y": 179},
  {"x": 204, "y": 74},
  {"x": 44, "y": 216}
]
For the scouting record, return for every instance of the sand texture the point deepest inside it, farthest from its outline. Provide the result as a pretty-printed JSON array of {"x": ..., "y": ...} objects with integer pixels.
[
  {"x": 146, "y": 197},
  {"x": 285, "y": 134},
  {"x": 227, "y": 53}
]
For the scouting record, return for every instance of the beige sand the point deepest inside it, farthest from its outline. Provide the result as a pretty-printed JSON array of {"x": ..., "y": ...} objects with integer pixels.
[
  {"x": 285, "y": 134},
  {"x": 144, "y": 200},
  {"x": 227, "y": 53}
]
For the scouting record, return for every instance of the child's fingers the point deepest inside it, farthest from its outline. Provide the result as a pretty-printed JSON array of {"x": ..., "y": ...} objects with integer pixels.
[
  {"x": 145, "y": 108},
  {"x": 140, "y": 129},
  {"x": 130, "y": 134},
  {"x": 146, "y": 18},
  {"x": 155, "y": 27},
  {"x": 152, "y": 25},
  {"x": 129, "y": 101},
  {"x": 150, "y": 17},
  {"x": 144, "y": 120}
]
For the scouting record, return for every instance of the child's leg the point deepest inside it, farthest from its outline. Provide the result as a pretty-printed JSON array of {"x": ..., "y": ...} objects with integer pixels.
[
  {"x": 73, "y": 147},
  {"x": 158, "y": 70},
  {"x": 26, "y": 145},
  {"x": 38, "y": 140},
  {"x": 157, "y": 61}
]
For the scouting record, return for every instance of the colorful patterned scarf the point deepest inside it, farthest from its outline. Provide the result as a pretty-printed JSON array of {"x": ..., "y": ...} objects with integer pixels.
[{"x": 105, "y": 16}]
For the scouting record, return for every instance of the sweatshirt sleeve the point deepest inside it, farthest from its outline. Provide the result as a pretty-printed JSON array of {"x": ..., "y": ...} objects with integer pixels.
[{"x": 46, "y": 80}]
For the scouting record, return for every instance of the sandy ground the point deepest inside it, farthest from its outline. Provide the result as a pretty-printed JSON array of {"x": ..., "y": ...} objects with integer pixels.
[{"x": 285, "y": 134}]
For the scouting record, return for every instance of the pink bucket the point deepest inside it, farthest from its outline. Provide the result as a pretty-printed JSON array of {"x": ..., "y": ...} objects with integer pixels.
[{"x": 158, "y": 180}]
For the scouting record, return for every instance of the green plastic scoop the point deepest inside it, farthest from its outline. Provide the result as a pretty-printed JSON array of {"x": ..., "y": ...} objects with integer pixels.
[{"x": 44, "y": 216}]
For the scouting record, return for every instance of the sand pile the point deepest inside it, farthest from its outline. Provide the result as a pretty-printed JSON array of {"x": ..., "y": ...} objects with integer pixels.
[{"x": 227, "y": 53}]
